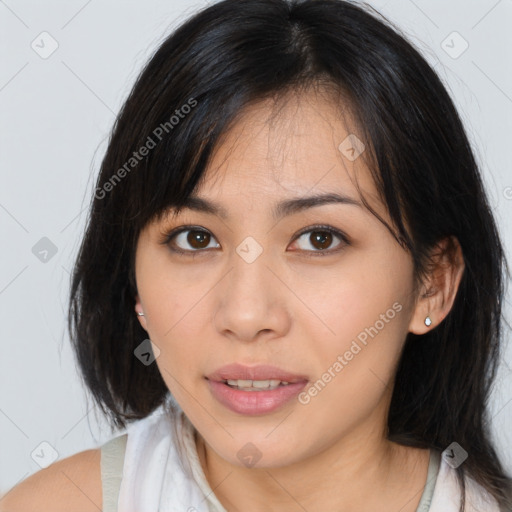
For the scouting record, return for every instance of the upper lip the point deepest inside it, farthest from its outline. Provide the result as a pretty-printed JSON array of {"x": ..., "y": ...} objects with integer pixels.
[{"x": 238, "y": 371}]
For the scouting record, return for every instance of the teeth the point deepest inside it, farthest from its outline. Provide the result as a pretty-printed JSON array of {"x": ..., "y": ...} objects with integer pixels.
[
  {"x": 256, "y": 385},
  {"x": 262, "y": 384}
]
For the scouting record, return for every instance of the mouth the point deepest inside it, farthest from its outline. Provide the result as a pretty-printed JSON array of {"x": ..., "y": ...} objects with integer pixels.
[{"x": 254, "y": 390}]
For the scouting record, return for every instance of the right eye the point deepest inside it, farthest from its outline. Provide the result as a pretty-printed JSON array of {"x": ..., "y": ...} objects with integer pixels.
[{"x": 196, "y": 239}]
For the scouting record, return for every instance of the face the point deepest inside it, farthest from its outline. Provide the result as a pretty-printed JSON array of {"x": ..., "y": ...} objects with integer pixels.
[{"x": 323, "y": 293}]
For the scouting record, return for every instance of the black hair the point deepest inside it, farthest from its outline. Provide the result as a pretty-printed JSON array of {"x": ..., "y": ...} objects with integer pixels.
[{"x": 237, "y": 52}]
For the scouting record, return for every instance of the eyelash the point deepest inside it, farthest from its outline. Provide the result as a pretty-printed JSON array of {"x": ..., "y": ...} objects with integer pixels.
[{"x": 169, "y": 236}]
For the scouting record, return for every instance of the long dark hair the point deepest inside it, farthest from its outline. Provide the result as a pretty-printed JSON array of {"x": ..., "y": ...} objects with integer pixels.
[{"x": 222, "y": 59}]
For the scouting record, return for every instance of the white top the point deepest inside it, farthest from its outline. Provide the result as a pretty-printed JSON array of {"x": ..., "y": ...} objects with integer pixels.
[{"x": 160, "y": 471}]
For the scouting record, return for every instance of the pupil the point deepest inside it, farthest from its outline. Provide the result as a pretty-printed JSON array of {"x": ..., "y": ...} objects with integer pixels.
[
  {"x": 196, "y": 239},
  {"x": 323, "y": 238}
]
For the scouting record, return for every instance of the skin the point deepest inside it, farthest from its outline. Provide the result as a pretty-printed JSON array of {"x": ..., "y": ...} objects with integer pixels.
[{"x": 292, "y": 311}]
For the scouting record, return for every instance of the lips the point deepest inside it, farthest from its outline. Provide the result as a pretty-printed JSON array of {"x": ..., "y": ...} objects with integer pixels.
[
  {"x": 238, "y": 371},
  {"x": 253, "y": 398}
]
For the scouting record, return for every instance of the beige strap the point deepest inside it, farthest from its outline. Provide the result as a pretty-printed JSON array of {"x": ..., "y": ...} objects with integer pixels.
[
  {"x": 428, "y": 491},
  {"x": 112, "y": 462}
]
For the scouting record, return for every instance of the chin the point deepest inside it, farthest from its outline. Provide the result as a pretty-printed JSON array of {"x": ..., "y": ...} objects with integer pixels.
[{"x": 258, "y": 453}]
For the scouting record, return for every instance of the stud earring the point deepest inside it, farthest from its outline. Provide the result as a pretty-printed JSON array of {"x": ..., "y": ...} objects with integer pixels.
[
  {"x": 140, "y": 314},
  {"x": 428, "y": 321}
]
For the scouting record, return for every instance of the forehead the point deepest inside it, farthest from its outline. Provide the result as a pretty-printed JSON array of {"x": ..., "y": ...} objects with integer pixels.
[{"x": 299, "y": 146}]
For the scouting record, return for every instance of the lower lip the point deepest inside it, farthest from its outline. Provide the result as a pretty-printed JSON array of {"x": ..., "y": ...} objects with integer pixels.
[{"x": 254, "y": 402}]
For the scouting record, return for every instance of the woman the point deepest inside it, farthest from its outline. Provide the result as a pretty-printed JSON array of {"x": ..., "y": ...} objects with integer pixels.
[{"x": 290, "y": 284}]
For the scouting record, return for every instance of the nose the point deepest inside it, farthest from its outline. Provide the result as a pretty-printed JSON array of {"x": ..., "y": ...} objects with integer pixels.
[{"x": 252, "y": 302}]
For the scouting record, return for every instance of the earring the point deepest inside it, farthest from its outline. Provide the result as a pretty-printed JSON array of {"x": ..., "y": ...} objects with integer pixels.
[
  {"x": 140, "y": 314},
  {"x": 428, "y": 321}
]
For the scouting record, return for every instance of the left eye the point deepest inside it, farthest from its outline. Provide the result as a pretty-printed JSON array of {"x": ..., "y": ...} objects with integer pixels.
[{"x": 321, "y": 239}]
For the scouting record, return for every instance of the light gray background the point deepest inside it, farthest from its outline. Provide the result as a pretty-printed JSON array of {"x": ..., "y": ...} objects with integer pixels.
[{"x": 56, "y": 114}]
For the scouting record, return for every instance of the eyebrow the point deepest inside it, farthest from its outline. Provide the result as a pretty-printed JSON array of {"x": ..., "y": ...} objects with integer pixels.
[{"x": 281, "y": 209}]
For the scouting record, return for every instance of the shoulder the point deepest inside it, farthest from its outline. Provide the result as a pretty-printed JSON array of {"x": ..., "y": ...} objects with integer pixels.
[{"x": 73, "y": 483}]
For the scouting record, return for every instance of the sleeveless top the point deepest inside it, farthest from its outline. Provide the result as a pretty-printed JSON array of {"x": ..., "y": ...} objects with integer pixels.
[{"x": 160, "y": 449}]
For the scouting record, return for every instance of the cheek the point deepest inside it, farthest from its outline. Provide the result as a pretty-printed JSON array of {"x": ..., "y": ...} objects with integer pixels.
[
  {"x": 348, "y": 298},
  {"x": 170, "y": 292},
  {"x": 364, "y": 318},
  {"x": 174, "y": 328},
  {"x": 177, "y": 301}
]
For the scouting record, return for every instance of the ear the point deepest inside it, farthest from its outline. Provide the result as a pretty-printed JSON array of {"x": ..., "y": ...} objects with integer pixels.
[
  {"x": 140, "y": 309},
  {"x": 440, "y": 286}
]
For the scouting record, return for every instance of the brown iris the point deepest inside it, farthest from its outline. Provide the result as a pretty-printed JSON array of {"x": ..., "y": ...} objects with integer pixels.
[
  {"x": 198, "y": 239},
  {"x": 322, "y": 238}
]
